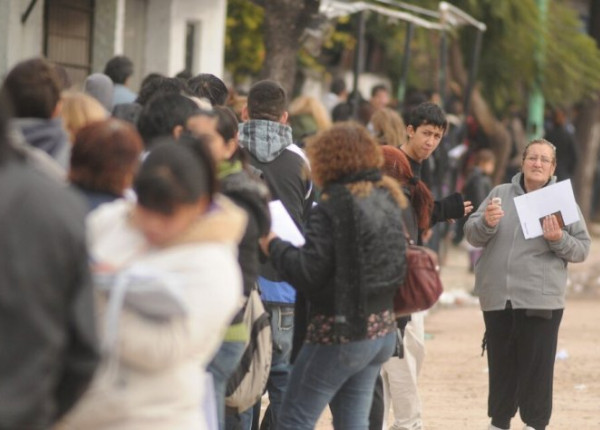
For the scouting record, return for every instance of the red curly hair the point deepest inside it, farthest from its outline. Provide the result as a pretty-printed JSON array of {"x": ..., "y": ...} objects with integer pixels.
[
  {"x": 398, "y": 167},
  {"x": 341, "y": 150}
]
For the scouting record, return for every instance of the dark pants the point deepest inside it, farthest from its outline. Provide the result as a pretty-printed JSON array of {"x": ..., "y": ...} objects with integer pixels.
[{"x": 521, "y": 348}]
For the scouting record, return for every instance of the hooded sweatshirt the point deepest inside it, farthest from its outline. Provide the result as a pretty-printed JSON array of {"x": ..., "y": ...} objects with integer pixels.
[
  {"x": 531, "y": 273},
  {"x": 48, "y": 135},
  {"x": 286, "y": 172},
  {"x": 101, "y": 87}
]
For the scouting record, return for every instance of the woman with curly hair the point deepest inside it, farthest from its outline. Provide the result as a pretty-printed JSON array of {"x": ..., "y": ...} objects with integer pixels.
[{"x": 348, "y": 269}]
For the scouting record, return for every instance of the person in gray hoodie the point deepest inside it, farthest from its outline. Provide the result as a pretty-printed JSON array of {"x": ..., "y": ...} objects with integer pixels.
[
  {"x": 101, "y": 87},
  {"x": 521, "y": 284},
  {"x": 33, "y": 89}
]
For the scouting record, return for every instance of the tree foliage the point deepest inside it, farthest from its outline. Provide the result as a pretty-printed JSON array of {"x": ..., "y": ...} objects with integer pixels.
[
  {"x": 244, "y": 45},
  {"x": 572, "y": 70},
  {"x": 514, "y": 33},
  {"x": 507, "y": 71}
]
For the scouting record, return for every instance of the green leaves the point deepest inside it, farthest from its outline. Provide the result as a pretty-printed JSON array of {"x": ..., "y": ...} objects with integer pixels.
[
  {"x": 244, "y": 45},
  {"x": 508, "y": 67}
]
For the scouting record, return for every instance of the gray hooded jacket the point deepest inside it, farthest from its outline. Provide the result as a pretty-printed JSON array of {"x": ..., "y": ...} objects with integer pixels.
[{"x": 531, "y": 273}]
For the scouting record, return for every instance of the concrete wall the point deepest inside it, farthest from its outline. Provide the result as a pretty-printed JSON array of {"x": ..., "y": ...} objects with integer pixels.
[
  {"x": 104, "y": 34},
  {"x": 134, "y": 42},
  {"x": 19, "y": 41},
  {"x": 158, "y": 37},
  {"x": 151, "y": 32},
  {"x": 210, "y": 54}
]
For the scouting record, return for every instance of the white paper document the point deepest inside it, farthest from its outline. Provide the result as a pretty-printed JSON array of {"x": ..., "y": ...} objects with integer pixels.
[
  {"x": 555, "y": 199},
  {"x": 283, "y": 225}
]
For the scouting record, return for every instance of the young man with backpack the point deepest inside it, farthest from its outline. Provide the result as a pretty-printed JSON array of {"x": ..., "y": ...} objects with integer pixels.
[{"x": 267, "y": 139}]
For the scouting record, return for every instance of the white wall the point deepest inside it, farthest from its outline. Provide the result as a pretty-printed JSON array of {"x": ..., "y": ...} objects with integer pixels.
[
  {"x": 19, "y": 41},
  {"x": 158, "y": 37},
  {"x": 211, "y": 50},
  {"x": 164, "y": 46}
]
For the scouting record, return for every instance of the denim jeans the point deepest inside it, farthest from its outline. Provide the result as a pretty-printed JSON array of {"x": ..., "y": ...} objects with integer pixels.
[
  {"x": 341, "y": 375},
  {"x": 222, "y": 367},
  {"x": 282, "y": 326}
]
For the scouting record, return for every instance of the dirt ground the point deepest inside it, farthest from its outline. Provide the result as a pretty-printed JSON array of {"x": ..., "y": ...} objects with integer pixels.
[{"x": 454, "y": 376}]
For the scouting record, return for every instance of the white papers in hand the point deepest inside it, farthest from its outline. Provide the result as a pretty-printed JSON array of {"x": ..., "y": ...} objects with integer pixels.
[
  {"x": 283, "y": 225},
  {"x": 546, "y": 201}
]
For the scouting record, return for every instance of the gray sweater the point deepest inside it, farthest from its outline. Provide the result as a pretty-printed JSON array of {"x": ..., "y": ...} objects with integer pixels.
[{"x": 531, "y": 273}]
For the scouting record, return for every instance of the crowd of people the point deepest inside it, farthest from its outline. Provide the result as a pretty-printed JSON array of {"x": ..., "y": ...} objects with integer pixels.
[{"x": 137, "y": 228}]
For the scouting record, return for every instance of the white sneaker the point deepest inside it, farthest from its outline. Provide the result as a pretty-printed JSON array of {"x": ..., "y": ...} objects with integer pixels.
[{"x": 493, "y": 427}]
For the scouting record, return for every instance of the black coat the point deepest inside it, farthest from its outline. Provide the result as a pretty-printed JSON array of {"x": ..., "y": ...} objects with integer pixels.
[
  {"x": 319, "y": 269},
  {"x": 253, "y": 196},
  {"x": 48, "y": 346}
]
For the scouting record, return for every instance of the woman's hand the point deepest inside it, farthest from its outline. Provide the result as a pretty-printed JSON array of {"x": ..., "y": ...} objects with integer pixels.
[
  {"x": 493, "y": 213},
  {"x": 265, "y": 241},
  {"x": 552, "y": 230}
]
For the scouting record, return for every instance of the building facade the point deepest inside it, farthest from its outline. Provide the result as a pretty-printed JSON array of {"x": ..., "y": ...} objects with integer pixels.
[{"x": 162, "y": 36}]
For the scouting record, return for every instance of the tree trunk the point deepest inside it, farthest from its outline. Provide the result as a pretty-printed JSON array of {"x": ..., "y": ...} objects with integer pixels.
[
  {"x": 285, "y": 21},
  {"x": 494, "y": 129},
  {"x": 587, "y": 127}
]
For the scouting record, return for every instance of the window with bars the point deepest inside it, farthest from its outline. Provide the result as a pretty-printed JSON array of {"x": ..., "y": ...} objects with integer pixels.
[{"x": 68, "y": 35}]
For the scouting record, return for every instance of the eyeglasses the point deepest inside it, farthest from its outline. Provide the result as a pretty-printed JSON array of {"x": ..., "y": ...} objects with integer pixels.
[{"x": 544, "y": 160}]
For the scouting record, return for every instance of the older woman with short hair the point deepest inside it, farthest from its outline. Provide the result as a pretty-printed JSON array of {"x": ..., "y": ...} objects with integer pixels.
[{"x": 521, "y": 284}]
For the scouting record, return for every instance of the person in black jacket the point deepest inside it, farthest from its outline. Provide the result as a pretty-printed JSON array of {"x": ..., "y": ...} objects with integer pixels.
[
  {"x": 349, "y": 270},
  {"x": 267, "y": 140},
  {"x": 48, "y": 345}
]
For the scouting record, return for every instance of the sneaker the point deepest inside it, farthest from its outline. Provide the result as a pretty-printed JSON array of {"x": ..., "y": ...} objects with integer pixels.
[{"x": 493, "y": 427}]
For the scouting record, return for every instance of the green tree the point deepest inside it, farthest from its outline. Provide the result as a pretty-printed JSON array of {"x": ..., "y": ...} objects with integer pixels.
[
  {"x": 266, "y": 35},
  {"x": 244, "y": 46}
]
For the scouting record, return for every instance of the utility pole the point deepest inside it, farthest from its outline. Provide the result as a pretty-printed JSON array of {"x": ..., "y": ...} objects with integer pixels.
[
  {"x": 535, "y": 117},
  {"x": 359, "y": 59}
]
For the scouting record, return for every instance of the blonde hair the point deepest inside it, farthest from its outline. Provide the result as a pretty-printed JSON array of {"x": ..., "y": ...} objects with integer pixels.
[
  {"x": 389, "y": 127},
  {"x": 78, "y": 110},
  {"x": 311, "y": 106}
]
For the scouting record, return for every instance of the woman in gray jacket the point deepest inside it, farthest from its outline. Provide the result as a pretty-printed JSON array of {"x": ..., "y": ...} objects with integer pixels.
[{"x": 521, "y": 284}]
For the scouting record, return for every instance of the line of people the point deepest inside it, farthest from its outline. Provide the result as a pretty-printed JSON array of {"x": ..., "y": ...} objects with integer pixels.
[{"x": 133, "y": 316}]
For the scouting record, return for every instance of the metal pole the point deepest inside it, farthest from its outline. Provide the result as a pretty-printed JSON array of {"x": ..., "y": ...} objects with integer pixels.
[
  {"x": 443, "y": 66},
  {"x": 359, "y": 55},
  {"x": 472, "y": 72},
  {"x": 535, "y": 117},
  {"x": 410, "y": 29}
]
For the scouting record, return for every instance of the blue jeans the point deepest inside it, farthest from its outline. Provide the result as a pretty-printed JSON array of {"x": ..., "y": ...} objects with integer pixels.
[
  {"x": 341, "y": 375},
  {"x": 282, "y": 327},
  {"x": 222, "y": 367}
]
